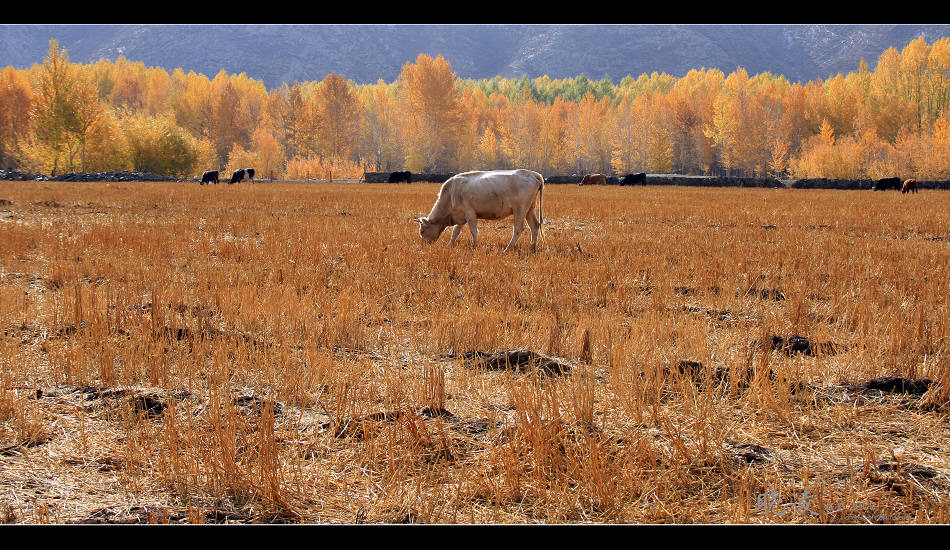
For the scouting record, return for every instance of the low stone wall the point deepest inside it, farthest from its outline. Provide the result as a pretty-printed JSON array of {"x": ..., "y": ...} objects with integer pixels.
[
  {"x": 383, "y": 177},
  {"x": 14, "y": 175},
  {"x": 826, "y": 183},
  {"x": 711, "y": 181}
]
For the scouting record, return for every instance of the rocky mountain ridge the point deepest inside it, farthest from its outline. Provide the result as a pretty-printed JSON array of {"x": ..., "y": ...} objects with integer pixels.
[{"x": 365, "y": 53}]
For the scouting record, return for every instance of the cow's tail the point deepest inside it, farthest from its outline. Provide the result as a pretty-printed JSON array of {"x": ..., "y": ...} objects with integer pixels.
[{"x": 540, "y": 207}]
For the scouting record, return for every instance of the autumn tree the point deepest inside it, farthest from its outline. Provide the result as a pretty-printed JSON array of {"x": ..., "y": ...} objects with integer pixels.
[
  {"x": 522, "y": 135},
  {"x": 744, "y": 115},
  {"x": 938, "y": 79},
  {"x": 128, "y": 85},
  {"x": 282, "y": 113},
  {"x": 934, "y": 161},
  {"x": 268, "y": 153},
  {"x": 66, "y": 107},
  {"x": 160, "y": 146},
  {"x": 555, "y": 139},
  {"x": 912, "y": 76},
  {"x": 338, "y": 116},
  {"x": 628, "y": 138},
  {"x": 381, "y": 139},
  {"x": 223, "y": 126},
  {"x": 127, "y": 92},
  {"x": 686, "y": 124},
  {"x": 51, "y": 110},
  {"x": 887, "y": 107},
  {"x": 430, "y": 100},
  {"x": 488, "y": 151},
  {"x": 590, "y": 134},
  {"x": 190, "y": 102},
  {"x": 659, "y": 135},
  {"x": 87, "y": 111},
  {"x": 158, "y": 87},
  {"x": 105, "y": 146},
  {"x": 16, "y": 97}
]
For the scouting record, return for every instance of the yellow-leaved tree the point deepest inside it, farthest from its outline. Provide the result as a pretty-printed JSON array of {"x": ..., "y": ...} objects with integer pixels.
[
  {"x": 431, "y": 103},
  {"x": 590, "y": 134},
  {"x": 16, "y": 99},
  {"x": 66, "y": 107},
  {"x": 268, "y": 152},
  {"x": 522, "y": 134},
  {"x": 381, "y": 138},
  {"x": 338, "y": 116}
]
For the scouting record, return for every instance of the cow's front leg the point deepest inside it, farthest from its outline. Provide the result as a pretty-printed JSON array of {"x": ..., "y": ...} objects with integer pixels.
[
  {"x": 455, "y": 233},
  {"x": 473, "y": 227}
]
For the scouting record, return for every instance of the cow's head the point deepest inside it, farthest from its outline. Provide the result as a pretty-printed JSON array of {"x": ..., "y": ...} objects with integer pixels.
[{"x": 429, "y": 231}]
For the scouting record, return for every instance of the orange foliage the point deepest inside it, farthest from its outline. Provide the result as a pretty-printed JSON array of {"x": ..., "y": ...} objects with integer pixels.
[{"x": 859, "y": 124}]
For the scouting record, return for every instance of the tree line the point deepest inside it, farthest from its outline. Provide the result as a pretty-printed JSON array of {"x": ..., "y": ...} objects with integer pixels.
[{"x": 60, "y": 116}]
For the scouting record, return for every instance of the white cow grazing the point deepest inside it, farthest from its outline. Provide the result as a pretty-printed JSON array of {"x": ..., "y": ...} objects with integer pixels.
[{"x": 493, "y": 195}]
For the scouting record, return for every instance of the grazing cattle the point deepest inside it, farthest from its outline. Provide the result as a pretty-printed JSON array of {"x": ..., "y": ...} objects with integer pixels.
[
  {"x": 909, "y": 185},
  {"x": 612, "y": 180},
  {"x": 238, "y": 176},
  {"x": 884, "y": 184},
  {"x": 210, "y": 176},
  {"x": 250, "y": 174},
  {"x": 399, "y": 177},
  {"x": 594, "y": 179},
  {"x": 495, "y": 195},
  {"x": 633, "y": 179}
]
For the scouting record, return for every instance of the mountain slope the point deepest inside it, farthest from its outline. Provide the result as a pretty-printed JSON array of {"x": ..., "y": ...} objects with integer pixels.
[{"x": 365, "y": 53}]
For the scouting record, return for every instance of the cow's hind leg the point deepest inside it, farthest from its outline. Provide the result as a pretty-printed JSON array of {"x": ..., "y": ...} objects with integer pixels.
[{"x": 517, "y": 228}]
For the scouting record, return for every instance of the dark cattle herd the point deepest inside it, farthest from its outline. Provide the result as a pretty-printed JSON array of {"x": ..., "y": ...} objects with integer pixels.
[
  {"x": 640, "y": 178},
  {"x": 600, "y": 179}
]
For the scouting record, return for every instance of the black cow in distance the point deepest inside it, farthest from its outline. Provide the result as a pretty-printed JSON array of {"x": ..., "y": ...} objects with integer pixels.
[
  {"x": 238, "y": 176},
  {"x": 633, "y": 179},
  {"x": 884, "y": 184},
  {"x": 210, "y": 176},
  {"x": 399, "y": 177}
]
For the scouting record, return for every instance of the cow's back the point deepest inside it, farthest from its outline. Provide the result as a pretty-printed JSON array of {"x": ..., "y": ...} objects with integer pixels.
[{"x": 492, "y": 193}]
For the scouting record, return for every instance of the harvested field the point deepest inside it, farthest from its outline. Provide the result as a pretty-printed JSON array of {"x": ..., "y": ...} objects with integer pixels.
[{"x": 294, "y": 353}]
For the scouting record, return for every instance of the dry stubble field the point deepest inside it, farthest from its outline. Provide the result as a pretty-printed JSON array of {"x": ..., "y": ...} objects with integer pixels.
[{"x": 295, "y": 353}]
